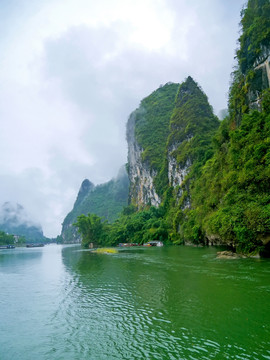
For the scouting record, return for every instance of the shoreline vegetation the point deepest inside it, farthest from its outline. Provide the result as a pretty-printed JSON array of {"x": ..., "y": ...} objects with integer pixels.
[{"x": 223, "y": 255}]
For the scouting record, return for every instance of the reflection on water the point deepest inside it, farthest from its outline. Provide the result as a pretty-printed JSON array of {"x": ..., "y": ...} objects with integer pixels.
[{"x": 154, "y": 303}]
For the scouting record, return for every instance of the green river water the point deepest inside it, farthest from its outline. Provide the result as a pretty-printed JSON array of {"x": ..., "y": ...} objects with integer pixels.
[{"x": 61, "y": 302}]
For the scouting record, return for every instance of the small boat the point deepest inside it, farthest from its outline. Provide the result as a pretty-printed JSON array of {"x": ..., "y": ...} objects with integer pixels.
[
  {"x": 34, "y": 245},
  {"x": 7, "y": 247},
  {"x": 154, "y": 243},
  {"x": 128, "y": 244}
]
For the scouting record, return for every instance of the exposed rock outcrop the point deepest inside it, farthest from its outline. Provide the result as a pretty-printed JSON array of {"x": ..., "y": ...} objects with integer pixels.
[
  {"x": 141, "y": 176},
  {"x": 260, "y": 81},
  {"x": 176, "y": 172},
  {"x": 147, "y": 133},
  {"x": 229, "y": 255}
]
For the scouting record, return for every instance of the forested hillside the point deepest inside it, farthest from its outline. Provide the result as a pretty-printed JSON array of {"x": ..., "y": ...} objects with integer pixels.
[
  {"x": 231, "y": 197},
  {"x": 106, "y": 200},
  {"x": 194, "y": 179}
]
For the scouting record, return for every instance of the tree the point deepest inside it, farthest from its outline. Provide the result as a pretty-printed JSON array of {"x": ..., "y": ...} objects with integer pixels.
[
  {"x": 91, "y": 228},
  {"x": 6, "y": 239}
]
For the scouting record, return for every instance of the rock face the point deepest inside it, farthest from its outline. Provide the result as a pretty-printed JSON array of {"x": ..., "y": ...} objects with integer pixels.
[
  {"x": 229, "y": 255},
  {"x": 147, "y": 133},
  {"x": 15, "y": 220},
  {"x": 260, "y": 81},
  {"x": 185, "y": 122},
  {"x": 176, "y": 172},
  {"x": 141, "y": 176}
]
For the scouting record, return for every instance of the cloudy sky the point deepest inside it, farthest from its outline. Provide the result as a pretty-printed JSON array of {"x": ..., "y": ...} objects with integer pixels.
[{"x": 71, "y": 72}]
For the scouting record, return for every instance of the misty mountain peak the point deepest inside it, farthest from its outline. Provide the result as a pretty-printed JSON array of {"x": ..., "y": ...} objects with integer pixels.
[
  {"x": 14, "y": 219},
  {"x": 15, "y": 214},
  {"x": 86, "y": 187}
]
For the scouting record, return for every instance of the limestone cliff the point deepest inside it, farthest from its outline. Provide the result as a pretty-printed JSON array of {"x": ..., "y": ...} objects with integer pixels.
[
  {"x": 260, "y": 80},
  {"x": 186, "y": 127},
  {"x": 141, "y": 176},
  {"x": 147, "y": 133}
]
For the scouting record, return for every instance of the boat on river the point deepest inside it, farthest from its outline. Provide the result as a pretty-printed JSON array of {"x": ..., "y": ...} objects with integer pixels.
[
  {"x": 7, "y": 247},
  {"x": 154, "y": 243},
  {"x": 128, "y": 244},
  {"x": 34, "y": 245}
]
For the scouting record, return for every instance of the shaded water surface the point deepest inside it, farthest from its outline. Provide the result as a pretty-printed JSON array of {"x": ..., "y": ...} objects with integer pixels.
[{"x": 60, "y": 302}]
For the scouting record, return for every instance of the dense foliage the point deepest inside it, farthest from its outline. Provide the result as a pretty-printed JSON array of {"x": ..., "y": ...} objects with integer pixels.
[
  {"x": 132, "y": 227},
  {"x": 192, "y": 126},
  {"x": 152, "y": 123},
  {"x": 250, "y": 78},
  {"x": 231, "y": 199},
  {"x": 255, "y": 37},
  {"x": 230, "y": 196},
  {"x": 6, "y": 239},
  {"x": 91, "y": 228}
]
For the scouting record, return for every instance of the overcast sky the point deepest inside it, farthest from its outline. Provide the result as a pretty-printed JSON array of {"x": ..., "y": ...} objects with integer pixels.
[{"x": 71, "y": 72}]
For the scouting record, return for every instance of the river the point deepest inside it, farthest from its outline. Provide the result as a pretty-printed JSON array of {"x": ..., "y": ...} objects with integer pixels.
[{"x": 62, "y": 302}]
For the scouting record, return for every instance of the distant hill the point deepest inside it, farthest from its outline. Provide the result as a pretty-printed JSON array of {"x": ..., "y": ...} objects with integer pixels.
[
  {"x": 106, "y": 200},
  {"x": 15, "y": 220}
]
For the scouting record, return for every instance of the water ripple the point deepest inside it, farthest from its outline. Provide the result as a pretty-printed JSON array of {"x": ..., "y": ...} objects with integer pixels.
[{"x": 139, "y": 304}]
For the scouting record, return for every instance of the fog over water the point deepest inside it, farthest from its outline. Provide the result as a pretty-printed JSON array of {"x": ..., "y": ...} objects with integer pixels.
[{"x": 73, "y": 70}]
